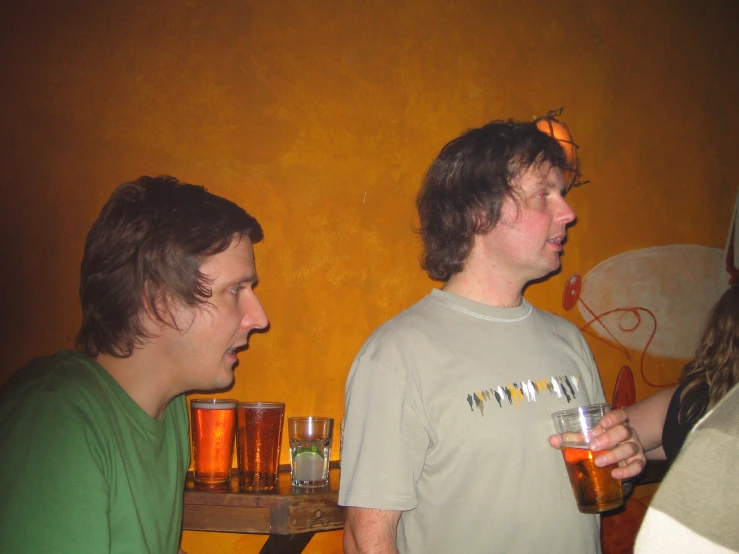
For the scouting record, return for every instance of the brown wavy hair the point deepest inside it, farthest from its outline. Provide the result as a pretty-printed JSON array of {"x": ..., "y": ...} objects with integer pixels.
[
  {"x": 716, "y": 363},
  {"x": 144, "y": 252},
  {"x": 465, "y": 187}
]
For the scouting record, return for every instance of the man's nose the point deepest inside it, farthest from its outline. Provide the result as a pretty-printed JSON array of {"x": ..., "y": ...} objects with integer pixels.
[
  {"x": 255, "y": 316},
  {"x": 567, "y": 214}
]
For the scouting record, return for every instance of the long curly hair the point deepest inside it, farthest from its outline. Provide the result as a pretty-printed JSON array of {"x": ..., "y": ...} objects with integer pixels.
[{"x": 716, "y": 362}]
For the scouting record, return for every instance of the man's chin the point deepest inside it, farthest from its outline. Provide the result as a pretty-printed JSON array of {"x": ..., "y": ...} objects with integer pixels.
[
  {"x": 545, "y": 273},
  {"x": 224, "y": 380},
  {"x": 229, "y": 379}
]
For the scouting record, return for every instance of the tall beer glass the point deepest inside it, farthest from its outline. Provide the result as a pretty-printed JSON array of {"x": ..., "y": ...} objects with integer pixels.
[
  {"x": 594, "y": 488},
  {"x": 213, "y": 425},
  {"x": 259, "y": 438}
]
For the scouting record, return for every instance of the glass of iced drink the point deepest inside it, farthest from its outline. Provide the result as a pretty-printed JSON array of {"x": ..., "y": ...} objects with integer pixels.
[{"x": 310, "y": 450}]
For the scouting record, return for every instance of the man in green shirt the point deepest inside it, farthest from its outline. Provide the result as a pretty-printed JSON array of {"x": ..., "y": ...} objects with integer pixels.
[{"x": 94, "y": 443}]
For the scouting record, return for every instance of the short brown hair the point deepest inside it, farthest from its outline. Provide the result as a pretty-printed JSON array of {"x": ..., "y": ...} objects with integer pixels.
[
  {"x": 465, "y": 187},
  {"x": 146, "y": 247}
]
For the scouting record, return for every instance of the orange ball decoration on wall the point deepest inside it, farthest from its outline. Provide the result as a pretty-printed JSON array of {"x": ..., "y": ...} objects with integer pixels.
[{"x": 550, "y": 125}]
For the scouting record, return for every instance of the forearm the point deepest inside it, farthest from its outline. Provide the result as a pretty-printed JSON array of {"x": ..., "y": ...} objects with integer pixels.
[
  {"x": 369, "y": 531},
  {"x": 353, "y": 544},
  {"x": 647, "y": 419},
  {"x": 656, "y": 454}
]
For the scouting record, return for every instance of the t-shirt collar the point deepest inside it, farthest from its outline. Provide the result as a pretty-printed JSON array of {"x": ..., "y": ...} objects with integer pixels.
[{"x": 480, "y": 310}]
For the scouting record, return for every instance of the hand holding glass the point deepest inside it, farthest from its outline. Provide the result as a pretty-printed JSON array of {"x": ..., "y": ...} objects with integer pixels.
[{"x": 594, "y": 488}]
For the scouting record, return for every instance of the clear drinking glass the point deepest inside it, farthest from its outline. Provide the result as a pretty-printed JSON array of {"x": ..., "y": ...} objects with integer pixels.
[
  {"x": 259, "y": 438},
  {"x": 212, "y": 426},
  {"x": 310, "y": 450},
  {"x": 594, "y": 488}
]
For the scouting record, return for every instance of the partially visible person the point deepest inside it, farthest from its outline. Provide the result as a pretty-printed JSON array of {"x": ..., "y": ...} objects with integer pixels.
[
  {"x": 696, "y": 507},
  {"x": 94, "y": 443},
  {"x": 664, "y": 419},
  {"x": 448, "y": 405}
]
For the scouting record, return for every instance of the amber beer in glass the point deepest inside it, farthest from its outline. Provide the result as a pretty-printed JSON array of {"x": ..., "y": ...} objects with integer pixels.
[
  {"x": 213, "y": 425},
  {"x": 594, "y": 489},
  {"x": 259, "y": 437}
]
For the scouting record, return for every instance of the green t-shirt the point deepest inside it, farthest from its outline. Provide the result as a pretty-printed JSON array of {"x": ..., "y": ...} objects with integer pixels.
[{"x": 84, "y": 468}]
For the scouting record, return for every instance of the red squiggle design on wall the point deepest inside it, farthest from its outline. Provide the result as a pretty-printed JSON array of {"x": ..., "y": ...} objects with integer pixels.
[{"x": 572, "y": 295}]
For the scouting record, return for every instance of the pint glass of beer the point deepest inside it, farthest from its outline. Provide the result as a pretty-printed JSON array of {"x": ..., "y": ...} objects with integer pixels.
[
  {"x": 594, "y": 488},
  {"x": 259, "y": 437},
  {"x": 213, "y": 425}
]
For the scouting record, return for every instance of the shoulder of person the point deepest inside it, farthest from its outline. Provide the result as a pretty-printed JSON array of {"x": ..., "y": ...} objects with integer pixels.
[
  {"x": 724, "y": 416},
  {"x": 396, "y": 340},
  {"x": 66, "y": 379},
  {"x": 403, "y": 324},
  {"x": 57, "y": 401},
  {"x": 568, "y": 332},
  {"x": 556, "y": 321},
  {"x": 65, "y": 371}
]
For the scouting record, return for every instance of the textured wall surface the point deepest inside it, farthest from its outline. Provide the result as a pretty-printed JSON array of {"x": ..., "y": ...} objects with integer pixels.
[{"x": 320, "y": 118}]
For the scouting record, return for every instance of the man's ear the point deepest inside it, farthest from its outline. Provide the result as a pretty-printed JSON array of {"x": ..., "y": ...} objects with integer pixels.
[
  {"x": 480, "y": 219},
  {"x": 158, "y": 308}
]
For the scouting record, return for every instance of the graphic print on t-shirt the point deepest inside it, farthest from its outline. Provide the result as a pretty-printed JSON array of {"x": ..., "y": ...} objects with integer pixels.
[{"x": 564, "y": 387}]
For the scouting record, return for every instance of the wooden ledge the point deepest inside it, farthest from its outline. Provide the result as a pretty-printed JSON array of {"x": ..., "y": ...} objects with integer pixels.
[{"x": 285, "y": 511}]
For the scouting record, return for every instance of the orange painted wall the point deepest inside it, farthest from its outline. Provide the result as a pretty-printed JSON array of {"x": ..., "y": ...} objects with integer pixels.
[{"x": 320, "y": 118}]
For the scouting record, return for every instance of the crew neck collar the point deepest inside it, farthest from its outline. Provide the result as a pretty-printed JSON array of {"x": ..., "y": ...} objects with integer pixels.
[
  {"x": 129, "y": 405},
  {"x": 480, "y": 310}
]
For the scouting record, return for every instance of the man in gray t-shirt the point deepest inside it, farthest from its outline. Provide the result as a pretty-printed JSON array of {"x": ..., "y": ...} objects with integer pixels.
[{"x": 447, "y": 429}]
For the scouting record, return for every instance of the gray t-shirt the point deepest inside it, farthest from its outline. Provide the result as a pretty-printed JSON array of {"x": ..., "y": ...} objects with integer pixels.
[{"x": 447, "y": 419}]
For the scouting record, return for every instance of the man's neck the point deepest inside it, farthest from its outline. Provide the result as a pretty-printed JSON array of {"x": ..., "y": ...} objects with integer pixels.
[
  {"x": 482, "y": 283},
  {"x": 499, "y": 293},
  {"x": 142, "y": 379}
]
